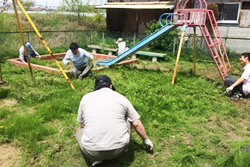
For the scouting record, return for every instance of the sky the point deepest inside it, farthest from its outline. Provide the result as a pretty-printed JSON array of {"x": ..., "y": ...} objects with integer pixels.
[{"x": 59, "y": 2}]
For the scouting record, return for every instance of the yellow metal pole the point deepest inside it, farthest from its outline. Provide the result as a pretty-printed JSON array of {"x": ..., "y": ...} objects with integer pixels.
[
  {"x": 22, "y": 38},
  {"x": 194, "y": 50},
  {"x": 179, "y": 53},
  {"x": 45, "y": 44}
]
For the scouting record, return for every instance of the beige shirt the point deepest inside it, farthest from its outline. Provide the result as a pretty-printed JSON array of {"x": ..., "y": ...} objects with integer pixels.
[{"x": 103, "y": 113}]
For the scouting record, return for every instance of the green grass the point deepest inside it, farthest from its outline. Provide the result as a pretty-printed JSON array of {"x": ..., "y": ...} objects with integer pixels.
[{"x": 190, "y": 123}]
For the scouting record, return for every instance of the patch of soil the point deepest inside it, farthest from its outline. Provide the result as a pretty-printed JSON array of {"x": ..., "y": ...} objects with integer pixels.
[
  {"x": 245, "y": 124},
  {"x": 7, "y": 103},
  {"x": 10, "y": 155}
]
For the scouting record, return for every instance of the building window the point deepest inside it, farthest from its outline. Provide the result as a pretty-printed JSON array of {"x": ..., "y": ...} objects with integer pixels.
[
  {"x": 228, "y": 12},
  {"x": 245, "y": 5}
]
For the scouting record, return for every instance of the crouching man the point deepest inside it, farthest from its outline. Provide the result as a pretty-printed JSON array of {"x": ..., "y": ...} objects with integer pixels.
[
  {"x": 79, "y": 58},
  {"x": 105, "y": 118},
  {"x": 238, "y": 88}
]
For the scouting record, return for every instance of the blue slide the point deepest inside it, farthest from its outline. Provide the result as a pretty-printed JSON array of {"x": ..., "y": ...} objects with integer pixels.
[{"x": 144, "y": 42}]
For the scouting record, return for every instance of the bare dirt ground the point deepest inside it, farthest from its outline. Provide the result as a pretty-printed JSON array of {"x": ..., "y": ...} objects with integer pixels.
[{"x": 10, "y": 153}]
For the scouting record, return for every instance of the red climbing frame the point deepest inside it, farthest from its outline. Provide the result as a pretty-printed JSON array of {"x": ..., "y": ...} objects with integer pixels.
[{"x": 204, "y": 18}]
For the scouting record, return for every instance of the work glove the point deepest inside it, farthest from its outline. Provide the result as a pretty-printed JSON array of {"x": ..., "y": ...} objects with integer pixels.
[
  {"x": 148, "y": 144},
  {"x": 90, "y": 63},
  {"x": 67, "y": 63},
  {"x": 229, "y": 89}
]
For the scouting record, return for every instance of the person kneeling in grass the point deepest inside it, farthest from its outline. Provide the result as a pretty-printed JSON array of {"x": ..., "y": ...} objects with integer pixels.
[
  {"x": 105, "y": 118},
  {"x": 31, "y": 52},
  {"x": 79, "y": 58},
  {"x": 239, "y": 88}
]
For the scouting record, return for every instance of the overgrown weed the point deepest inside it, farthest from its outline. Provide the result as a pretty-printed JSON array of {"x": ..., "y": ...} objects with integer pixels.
[{"x": 189, "y": 122}]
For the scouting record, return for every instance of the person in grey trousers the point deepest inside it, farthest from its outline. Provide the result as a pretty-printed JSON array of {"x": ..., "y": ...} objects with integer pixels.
[
  {"x": 238, "y": 88},
  {"x": 105, "y": 117},
  {"x": 79, "y": 57}
]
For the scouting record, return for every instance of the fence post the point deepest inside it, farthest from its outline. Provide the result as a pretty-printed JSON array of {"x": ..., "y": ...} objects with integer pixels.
[
  {"x": 28, "y": 35},
  {"x": 65, "y": 38},
  {"x": 174, "y": 45},
  {"x": 90, "y": 36},
  {"x": 226, "y": 36},
  {"x": 103, "y": 37},
  {"x": 134, "y": 38}
]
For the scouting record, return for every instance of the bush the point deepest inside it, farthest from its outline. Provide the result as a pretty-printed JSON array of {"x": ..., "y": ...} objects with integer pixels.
[{"x": 164, "y": 43}]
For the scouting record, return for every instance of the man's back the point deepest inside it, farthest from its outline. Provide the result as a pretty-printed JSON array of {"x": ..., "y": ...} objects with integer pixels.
[{"x": 104, "y": 114}]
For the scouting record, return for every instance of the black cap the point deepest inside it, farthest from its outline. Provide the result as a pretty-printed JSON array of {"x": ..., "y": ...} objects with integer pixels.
[{"x": 103, "y": 81}]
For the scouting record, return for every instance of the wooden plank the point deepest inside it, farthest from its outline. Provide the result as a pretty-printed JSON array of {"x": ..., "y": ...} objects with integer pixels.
[
  {"x": 152, "y": 54},
  {"x": 94, "y": 47},
  {"x": 97, "y": 47}
]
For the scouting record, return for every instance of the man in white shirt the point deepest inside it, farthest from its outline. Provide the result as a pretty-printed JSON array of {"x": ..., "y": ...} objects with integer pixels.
[
  {"x": 240, "y": 87},
  {"x": 121, "y": 46},
  {"x": 105, "y": 116},
  {"x": 79, "y": 58},
  {"x": 31, "y": 52}
]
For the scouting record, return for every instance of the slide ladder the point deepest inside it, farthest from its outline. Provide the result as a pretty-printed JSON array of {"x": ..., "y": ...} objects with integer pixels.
[
  {"x": 215, "y": 45},
  {"x": 204, "y": 19}
]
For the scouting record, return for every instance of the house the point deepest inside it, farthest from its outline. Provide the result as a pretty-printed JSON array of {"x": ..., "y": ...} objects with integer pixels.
[{"x": 134, "y": 16}]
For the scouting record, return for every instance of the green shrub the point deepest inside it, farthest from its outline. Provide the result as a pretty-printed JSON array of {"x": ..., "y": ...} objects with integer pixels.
[{"x": 165, "y": 42}]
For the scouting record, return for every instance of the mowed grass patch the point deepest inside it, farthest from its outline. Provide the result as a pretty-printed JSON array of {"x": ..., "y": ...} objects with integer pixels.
[{"x": 190, "y": 123}]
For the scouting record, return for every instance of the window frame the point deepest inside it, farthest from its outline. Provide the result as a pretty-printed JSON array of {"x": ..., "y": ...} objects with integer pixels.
[{"x": 238, "y": 14}]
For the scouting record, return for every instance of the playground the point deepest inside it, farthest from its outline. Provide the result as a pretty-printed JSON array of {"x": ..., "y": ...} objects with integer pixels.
[{"x": 182, "y": 105}]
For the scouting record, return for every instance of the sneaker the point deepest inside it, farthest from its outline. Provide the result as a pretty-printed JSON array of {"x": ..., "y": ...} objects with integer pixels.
[
  {"x": 95, "y": 163},
  {"x": 235, "y": 97}
]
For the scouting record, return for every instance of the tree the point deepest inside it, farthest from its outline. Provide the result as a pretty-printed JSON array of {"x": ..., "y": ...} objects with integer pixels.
[
  {"x": 27, "y": 4},
  {"x": 78, "y": 7},
  {"x": 5, "y": 6},
  {"x": 73, "y": 6}
]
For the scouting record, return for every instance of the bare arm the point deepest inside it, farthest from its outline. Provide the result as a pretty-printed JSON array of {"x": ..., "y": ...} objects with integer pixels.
[
  {"x": 81, "y": 124},
  {"x": 66, "y": 59},
  {"x": 240, "y": 80},
  {"x": 137, "y": 124},
  {"x": 34, "y": 51}
]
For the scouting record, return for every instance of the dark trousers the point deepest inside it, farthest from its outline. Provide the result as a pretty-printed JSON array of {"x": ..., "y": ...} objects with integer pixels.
[
  {"x": 229, "y": 80},
  {"x": 82, "y": 71}
]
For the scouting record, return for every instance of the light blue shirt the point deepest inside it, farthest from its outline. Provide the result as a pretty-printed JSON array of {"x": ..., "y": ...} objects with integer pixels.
[{"x": 79, "y": 59}]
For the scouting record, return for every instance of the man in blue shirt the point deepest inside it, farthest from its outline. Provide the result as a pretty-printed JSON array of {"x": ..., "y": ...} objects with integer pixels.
[{"x": 79, "y": 58}]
